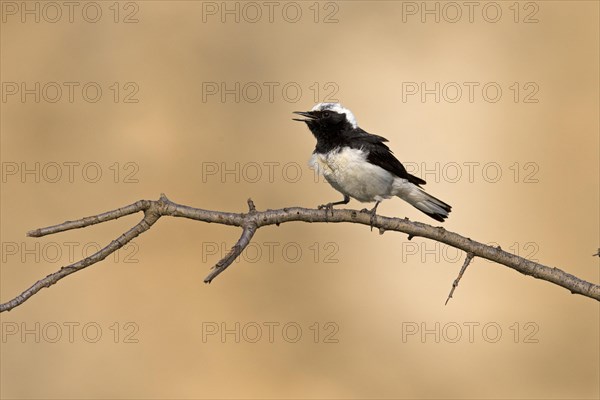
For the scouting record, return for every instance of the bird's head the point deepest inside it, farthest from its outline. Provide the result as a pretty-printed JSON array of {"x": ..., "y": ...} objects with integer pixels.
[{"x": 327, "y": 118}]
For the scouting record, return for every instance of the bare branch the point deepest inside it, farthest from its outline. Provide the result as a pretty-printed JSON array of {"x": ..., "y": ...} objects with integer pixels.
[
  {"x": 460, "y": 274},
  {"x": 87, "y": 221},
  {"x": 237, "y": 249},
  {"x": 253, "y": 220},
  {"x": 234, "y": 253},
  {"x": 149, "y": 219}
]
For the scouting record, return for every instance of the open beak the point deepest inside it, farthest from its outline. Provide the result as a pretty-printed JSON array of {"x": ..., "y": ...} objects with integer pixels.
[{"x": 308, "y": 114}]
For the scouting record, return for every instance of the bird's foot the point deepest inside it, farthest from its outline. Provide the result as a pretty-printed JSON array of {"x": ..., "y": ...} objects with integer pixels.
[
  {"x": 327, "y": 207},
  {"x": 373, "y": 213},
  {"x": 372, "y": 220}
]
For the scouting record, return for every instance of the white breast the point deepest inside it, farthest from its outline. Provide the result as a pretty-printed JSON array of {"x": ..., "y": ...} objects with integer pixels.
[{"x": 348, "y": 171}]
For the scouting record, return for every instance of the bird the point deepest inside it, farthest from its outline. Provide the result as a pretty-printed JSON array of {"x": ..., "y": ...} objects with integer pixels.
[{"x": 360, "y": 165}]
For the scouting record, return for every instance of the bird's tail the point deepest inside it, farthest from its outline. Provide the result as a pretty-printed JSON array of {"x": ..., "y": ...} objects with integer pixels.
[{"x": 424, "y": 202}]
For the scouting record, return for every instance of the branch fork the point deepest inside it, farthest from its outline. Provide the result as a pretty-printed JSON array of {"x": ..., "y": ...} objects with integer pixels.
[{"x": 251, "y": 221}]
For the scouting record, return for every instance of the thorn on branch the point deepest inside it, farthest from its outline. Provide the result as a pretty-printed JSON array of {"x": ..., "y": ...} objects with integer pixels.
[
  {"x": 251, "y": 207},
  {"x": 410, "y": 237},
  {"x": 460, "y": 274},
  {"x": 597, "y": 254}
]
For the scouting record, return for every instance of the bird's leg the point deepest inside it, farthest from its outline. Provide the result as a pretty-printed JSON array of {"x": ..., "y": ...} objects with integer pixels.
[
  {"x": 329, "y": 206},
  {"x": 373, "y": 213}
]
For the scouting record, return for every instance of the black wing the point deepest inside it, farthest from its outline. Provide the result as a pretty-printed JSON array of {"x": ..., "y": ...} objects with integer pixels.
[{"x": 381, "y": 155}]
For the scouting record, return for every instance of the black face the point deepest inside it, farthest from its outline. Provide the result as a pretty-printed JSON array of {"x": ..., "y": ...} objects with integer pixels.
[
  {"x": 323, "y": 121},
  {"x": 330, "y": 128}
]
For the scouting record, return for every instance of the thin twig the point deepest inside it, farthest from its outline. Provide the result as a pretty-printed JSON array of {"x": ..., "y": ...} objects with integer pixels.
[
  {"x": 96, "y": 219},
  {"x": 237, "y": 249},
  {"x": 234, "y": 253},
  {"x": 141, "y": 227},
  {"x": 460, "y": 274},
  {"x": 253, "y": 220}
]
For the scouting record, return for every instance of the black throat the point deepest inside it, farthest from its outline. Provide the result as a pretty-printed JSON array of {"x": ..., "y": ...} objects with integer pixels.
[{"x": 330, "y": 138}]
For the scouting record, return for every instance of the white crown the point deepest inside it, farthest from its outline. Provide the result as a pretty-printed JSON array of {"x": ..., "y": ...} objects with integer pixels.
[{"x": 338, "y": 108}]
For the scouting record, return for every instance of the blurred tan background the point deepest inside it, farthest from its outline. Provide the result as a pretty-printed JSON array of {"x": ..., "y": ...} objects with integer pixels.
[{"x": 322, "y": 311}]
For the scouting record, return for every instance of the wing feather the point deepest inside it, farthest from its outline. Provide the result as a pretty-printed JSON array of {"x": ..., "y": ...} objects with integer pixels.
[{"x": 380, "y": 154}]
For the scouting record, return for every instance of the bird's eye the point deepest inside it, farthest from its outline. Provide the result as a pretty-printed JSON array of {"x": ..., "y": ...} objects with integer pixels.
[{"x": 326, "y": 114}]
